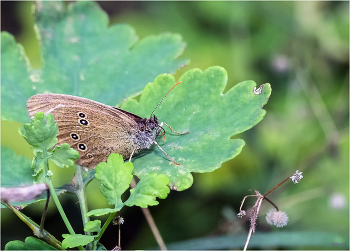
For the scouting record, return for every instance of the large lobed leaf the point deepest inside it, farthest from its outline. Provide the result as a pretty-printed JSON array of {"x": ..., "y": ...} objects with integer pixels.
[
  {"x": 198, "y": 106},
  {"x": 16, "y": 170},
  {"x": 82, "y": 56}
]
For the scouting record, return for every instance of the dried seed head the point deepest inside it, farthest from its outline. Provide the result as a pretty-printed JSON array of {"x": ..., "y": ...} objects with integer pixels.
[
  {"x": 120, "y": 220},
  {"x": 277, "y": 218},
  {"x": 255, "y": 211},
  {"x": 116, "y": 248},
  {"x": 296, "y": 176},
  {"x": 241, "y": 213}
]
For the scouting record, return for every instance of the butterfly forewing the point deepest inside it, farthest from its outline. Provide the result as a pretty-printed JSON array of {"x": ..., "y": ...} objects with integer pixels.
[{"x": 92, "y": 128}]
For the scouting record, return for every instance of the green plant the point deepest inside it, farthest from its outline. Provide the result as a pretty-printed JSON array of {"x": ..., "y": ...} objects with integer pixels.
[{"x": 82, "y": 56}]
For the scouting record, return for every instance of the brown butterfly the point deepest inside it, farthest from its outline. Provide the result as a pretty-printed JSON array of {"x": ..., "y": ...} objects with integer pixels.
[{"x": 96, "y": 130}]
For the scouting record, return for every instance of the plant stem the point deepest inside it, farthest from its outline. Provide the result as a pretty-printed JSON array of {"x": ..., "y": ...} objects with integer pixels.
[
  {"x": 81, "y": 196},
  {"x": 45, "y": 209},
  {"x": 105, "y": 225},
  {"x": 276, "y": 187},
  {"x": 80, "y": 192},
  {"x": 59, "y": 207},
  {"x": 273, "y": 204},
  {"x": 151, "y": 222},
  {"x": 248, "y": 238},
  {"x": 46, "y": 236},
  {"x": 119, "y": 237}
]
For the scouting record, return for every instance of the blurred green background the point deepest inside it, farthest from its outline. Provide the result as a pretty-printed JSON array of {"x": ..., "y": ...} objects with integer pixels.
[{"x": 302, "y": 50}]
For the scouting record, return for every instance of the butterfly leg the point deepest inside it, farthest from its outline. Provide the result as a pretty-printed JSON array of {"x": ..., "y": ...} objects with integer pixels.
[
  {"x": 131, "y": 155},
  {"x": 172, "y": 160},
  {"x": 173, "y": 129}
]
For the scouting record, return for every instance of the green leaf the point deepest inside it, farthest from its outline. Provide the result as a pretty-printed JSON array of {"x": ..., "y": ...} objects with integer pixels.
[
  {"x": 115, "y": 177},
  {"x": 147, "y": 190},
  {"x": 15, "y": 170},
  {"x": 64, "y": 156},
  {"x": 41, "y": 132},
  {"x": 198, "y": 106},
  {"x": 93, "y": 226},
  {"x": 103, "y": 211},
  {"x": 30, "y": 243},
  {"x": 82, "y": 56},
  {"x": 38, "y": 164},
  {"x": 75, "y": 240},
  {"x": 16, "y": 82},
  {"x": 41, "y": 135}
]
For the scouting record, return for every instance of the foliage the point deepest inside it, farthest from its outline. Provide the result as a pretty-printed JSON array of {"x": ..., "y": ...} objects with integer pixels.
[
  {"x": 210, "y": 117},
  {"x": 116, "y": 176},
  {"x": 301, "y": 48},
  {"x": 76, "y": 75},
  {"x": 41, "y": 135},
  {"x": 30, "y": 243},
  {"x": 80, "y": 52}
]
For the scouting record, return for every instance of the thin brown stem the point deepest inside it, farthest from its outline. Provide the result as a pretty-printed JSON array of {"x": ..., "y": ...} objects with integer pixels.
[
  {"x": 273, "y": 204},
  {"x": 151, "y": 222},
  {"x": 119, "y": 237},
  {"x": 45, "y": 210},
  {"x": 276, "y": 187}
]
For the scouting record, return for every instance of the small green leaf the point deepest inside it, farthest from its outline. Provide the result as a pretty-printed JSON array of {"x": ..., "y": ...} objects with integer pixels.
[
  {"x": 146, "y": 191},
  {"x": 93, "y": 226},
  {"x": 41, "y": 132},
  {"x": 103, "y": 211},
  {"x": 41, "y": 135},
  {"x": 75, "y": 240},
  {"x": 30, "y": 243},
  {"x": 38, "y": 164},
  {"x": 115, "y": 177},
  {"x": 64, "y": 156}
]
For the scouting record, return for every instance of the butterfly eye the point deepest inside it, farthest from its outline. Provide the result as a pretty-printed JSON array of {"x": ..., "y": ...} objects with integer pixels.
[
  {"x": 74, "y": 136},
  {"x": 83, "y": 122},
  {"x": 82, "y": 147}
]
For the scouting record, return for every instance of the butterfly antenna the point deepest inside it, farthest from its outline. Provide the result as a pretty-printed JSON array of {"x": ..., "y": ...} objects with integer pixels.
[{"x": 164, "y": 97}]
